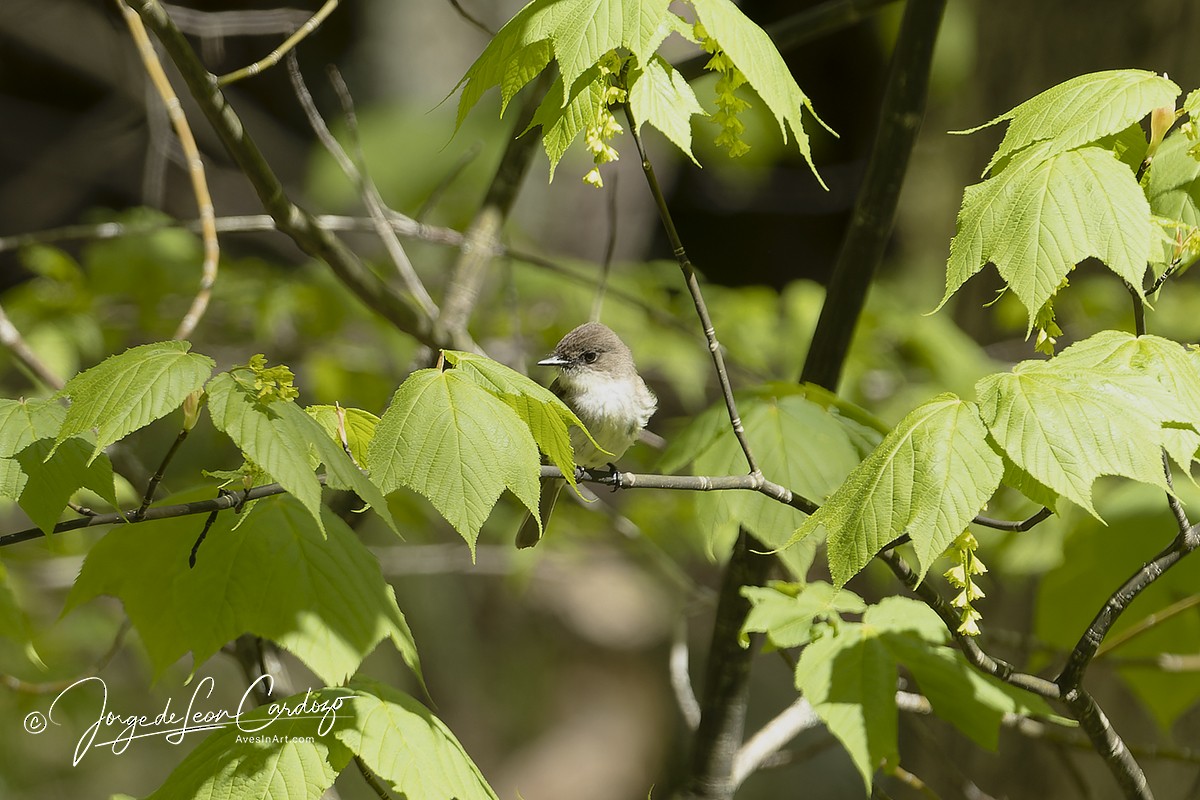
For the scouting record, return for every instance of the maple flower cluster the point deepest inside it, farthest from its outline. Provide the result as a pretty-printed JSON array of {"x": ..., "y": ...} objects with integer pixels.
[
  {"x": 962, "y": 577},
  {"x": 272, "y": 383},
  {"x": 598, "y": 135},
  {"x": 729, "y": 104}
]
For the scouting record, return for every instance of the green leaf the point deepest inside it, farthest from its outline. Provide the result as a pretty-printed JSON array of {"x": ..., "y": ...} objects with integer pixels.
[
  {"x": 129, "y": 391},
  {"x": 799, "y": 444},
  {"x": 1043, "y": 214},
  {"x": 575, "y": 32},
  {"x": 1173, "y": 182},
  {"x": 340, "y": 471},
  {"x": 1175, "y": 367},
  {"x": 457, "y": 445},
  {"x": 279, "y": 448},
  {"x": 549, "y": 419},
  {"x": 23, "y": 422},
  {"x": 561, "y": 124},
  {"x": 55, "y": 472},
  {"x": 753, "y": 52},
  {"x": 850, "y": 679},
  {"x": 262, "y": 756},
  {"x": 322, "y": 598},
  {"x": 406, "y": 745},
  {"x": 359, "y": 426},
  {"x": 786, "y": 612},
  {"x": 660, "y": 96},
  {"x": 1066, "y": 424},
  {"x": 928, "y": 479},
  {"x": 1082, "y": 110}
]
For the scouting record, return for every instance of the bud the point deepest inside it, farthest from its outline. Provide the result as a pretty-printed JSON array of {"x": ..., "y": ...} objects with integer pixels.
[
  {"x": 191, "y": 409},
  {"x": 1161, "y": 120}
]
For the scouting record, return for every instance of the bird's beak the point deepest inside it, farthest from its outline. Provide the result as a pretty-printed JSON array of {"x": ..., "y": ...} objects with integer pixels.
[{"x": 553, "y": 361}]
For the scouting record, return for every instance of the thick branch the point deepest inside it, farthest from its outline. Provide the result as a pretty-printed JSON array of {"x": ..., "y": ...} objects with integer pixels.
[
  {"x": 297, "y": 223},
  {"x": 726, "y": 682},
  {"x": 1108, "y": 744},
  {"x": 875, "y": 210},
  {"x": 1085, "y": 650}
]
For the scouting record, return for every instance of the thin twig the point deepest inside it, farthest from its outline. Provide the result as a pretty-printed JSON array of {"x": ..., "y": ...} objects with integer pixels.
[
  {"x": 1019, "y": 526},
  {"x": 362, "y": 181},
  {"x": 693, "y": 285},
  {"x": 772, "y": 737},
  {"x": 1089, "y": 643},
  {"x": 272, "y": 59},
  {"x": 974, "y": 654},
  {"x": 482, "y": 240},
  {"x": 681, "y": 678},
  {"x": 462, "y": 12},
  {"x": 913, "y": 782},
  {"x": 49, "y": 687},
  {"x": 11, "y": 338},
  {"x": 157, "y": 477},
  {"x": 1147, "y": 623},
  {"x": 290, "y": 218},
  {"x": 610, "y": 247},
  {"x": 692, "y": 483},
  {"x": 373, "y": 780},
  {"x": 191, "y": 153}
]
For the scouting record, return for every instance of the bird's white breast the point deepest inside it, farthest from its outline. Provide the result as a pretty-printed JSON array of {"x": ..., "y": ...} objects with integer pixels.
[{"x": 614, "y": 411}]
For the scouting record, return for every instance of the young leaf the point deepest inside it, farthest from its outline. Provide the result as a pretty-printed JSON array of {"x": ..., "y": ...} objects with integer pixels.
[
  {"x": 340, "y": 471},
  {"x": 23, "y": 422},
  {"x": 406, "y": 745},
  {"x": 458, "y": 445},
  {"x": 287, "y": 759},
  {"x": 1043, "y": 214},
  {"x": 1174, "y": 181},
  {"x": 128, "y": 391},
  {"x": 1082, "y": 110},
  {"x": 578, "y": 33},
  {"x": 359, "y": 427},
  {"x": 549, "y": 419},
  {"x": 322, "y": 598},
  {"x": 753, "y": 52},
  {"x": 786, "y": 612},
  {"x": 1067, "y": 424},
  {"x": 928, "y": 478},
  {"x": 660, "y": 96},
  {"x": 280, "y": 449}
]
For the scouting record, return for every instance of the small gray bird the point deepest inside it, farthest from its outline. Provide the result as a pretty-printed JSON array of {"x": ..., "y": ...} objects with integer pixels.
[{"x": 599, "y": 382}]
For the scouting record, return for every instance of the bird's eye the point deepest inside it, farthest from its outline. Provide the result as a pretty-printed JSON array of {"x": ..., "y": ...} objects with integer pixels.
[{"x": 590, "y": 357}]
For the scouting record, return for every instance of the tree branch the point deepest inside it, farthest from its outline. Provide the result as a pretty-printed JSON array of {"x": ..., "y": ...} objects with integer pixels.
[
  {"x": 875, "y": 209},
  {"x": 11, "y": 338},
  {"x": 310, "y": 25},
  {"x": 290, "y": 218},
  {"x": 191, "y": 154}
]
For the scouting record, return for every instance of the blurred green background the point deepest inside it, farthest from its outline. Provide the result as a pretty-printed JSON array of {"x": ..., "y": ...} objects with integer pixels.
[{"x": 551, "y": 665}]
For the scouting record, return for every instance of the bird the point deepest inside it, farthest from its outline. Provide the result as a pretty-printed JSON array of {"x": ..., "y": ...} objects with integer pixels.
[{"x": 597, "y": 380}]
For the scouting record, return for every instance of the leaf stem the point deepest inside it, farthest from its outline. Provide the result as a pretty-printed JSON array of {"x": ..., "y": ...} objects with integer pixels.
[{"x": 1019, "y": 526}]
